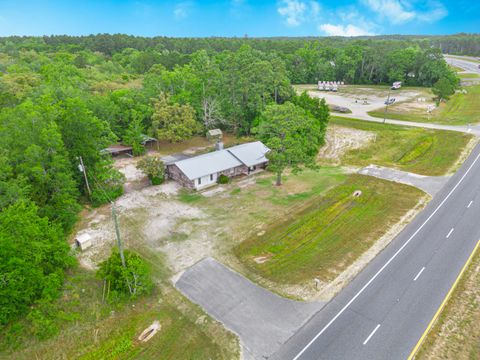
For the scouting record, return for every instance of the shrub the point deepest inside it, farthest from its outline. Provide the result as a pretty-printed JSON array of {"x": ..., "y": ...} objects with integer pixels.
[
  {"x": 132, "y": 280},
  {"x": 223, "y": 179},
  {"x": 154, "y": 168}
]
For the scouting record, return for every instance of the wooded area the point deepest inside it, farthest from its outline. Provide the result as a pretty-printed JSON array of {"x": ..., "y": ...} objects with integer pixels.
[{"x": 64, "y": 99}]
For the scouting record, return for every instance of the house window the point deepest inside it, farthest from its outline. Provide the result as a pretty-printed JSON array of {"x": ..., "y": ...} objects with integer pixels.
[
  {"x": 199, "y": 181},
  {"x": 211, "y": 177}
]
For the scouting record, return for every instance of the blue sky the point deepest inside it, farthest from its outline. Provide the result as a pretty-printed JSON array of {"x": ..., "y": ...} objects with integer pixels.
[{"x": 239, "y": 17}]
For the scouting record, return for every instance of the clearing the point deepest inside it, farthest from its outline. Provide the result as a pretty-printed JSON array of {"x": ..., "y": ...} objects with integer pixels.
[{"x": 421, "y": 151}]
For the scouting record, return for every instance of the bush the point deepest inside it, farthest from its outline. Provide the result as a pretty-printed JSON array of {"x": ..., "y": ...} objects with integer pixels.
[
  {"x": 154, "y": 168},
  {"x": 223, "y": 179},
  {"x": 156, "y": 180},
  {"x": 132, "y": 280}
]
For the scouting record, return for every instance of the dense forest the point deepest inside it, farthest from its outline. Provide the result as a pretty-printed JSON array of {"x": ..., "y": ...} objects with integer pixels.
[{"x": 64, "y": 99}]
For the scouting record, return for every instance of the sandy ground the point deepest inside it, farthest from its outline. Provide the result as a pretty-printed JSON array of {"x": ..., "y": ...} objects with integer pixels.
[
  {"x": 340, "y": 139},
  {"x": 363, "y": 100}
]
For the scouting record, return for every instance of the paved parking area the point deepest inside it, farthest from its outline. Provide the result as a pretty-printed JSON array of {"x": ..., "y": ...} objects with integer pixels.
[{"x": 261, "y": 319}]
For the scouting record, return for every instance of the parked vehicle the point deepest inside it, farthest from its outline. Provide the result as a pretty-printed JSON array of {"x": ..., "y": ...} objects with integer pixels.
[
  {"x": 389, "y": 101},
  {"x": 396, "y": 85}
]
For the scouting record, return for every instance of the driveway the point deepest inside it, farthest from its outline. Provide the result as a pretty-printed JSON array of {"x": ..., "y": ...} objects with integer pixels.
[
  {"x": 429, "y": 184},
  {"x": 261, "y": 319}
]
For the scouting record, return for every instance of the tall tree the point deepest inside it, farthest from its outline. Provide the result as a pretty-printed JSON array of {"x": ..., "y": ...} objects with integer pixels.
[
  {"x": 291, "y": 134},
  {"x": 173, "y": 122}
]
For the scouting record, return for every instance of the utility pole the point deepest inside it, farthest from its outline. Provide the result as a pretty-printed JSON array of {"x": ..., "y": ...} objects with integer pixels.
[
  {"x": 386, "y": 108},
  {"x": 82, "y": 169},
  {"x": 119, "y": 239}
]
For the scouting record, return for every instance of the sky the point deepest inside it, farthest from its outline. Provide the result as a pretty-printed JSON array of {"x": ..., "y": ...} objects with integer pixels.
[{"x": 197, "y": 18}]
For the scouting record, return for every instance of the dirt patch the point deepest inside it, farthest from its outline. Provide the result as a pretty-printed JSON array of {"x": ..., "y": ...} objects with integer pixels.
[
  {"x": 134, "y": 178},
  {"x": 339, "y": 140}
]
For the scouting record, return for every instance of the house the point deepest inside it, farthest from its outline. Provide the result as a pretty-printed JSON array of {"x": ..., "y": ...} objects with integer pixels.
[{"x": 201, "y": 171}]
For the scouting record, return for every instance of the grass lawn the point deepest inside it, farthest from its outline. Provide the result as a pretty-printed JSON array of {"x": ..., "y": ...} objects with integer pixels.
[
  {"x": 92, "y": 329},
  {"x": 461, "y": 109},
  {"x": 331, "y": 233},
  {"x": 468, "y": 76},
  {"x": 422, "y": 151},
  {"x": 456, "y": 334}
]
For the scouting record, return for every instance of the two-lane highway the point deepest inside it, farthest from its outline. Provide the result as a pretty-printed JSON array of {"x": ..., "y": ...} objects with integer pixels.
[
  {"x": 384, "y": 312},
  {"x": 464, "y": 62}
]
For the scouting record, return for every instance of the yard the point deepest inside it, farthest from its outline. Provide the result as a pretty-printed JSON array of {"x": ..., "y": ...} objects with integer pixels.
[{"x": 323, "y": 239}]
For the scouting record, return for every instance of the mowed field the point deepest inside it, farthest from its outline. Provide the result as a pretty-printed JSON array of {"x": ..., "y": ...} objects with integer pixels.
[
  {"x": 325, "y": 238},
  {"x": 422, "y": 151},
  {"x": 461, "y": 109}
]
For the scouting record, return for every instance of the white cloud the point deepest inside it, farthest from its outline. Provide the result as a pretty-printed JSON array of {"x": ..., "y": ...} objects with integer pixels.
[
  {"x": 293, "y": 11},
  {"x": 182, "y": 10},
  {"x": 297, "y": 12},
  {"x": 435, "y": 12},
  {"x": 402, "y": 11},
  {"x": 343, "y": 30},
  {"x": 393, "y": 10}
]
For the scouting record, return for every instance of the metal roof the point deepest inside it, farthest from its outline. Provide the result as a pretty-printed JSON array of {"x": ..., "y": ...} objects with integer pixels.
[
  {"x": 250, "y": 153},
  {"x": 206, "y": 164}
]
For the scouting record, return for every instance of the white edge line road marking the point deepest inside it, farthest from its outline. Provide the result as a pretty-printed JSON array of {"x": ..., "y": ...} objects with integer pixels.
[
  {"x": 371, "y": 334},
  {"x": 388, "y": 262},
  {"x": 469, "y": 204},
  {"x": 450, "y": 232},
  {"x": 419, "y": 273}
]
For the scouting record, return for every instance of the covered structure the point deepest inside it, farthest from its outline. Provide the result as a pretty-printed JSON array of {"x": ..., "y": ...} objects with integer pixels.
[{"x": 202, "y": 171}]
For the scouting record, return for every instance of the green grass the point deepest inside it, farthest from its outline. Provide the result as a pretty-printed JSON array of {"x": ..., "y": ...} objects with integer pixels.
[
  {"x": 189, "y": 196},
  {"x": 291, "y": 193},
  {"x": 468, "y": 76},
  {"x": 422, "y": 151},
  {"x": 325, "y": 238},
  {"x": 91, "y": 329},
  {"x": 461, "y": 109},
  {"x": 456, "y": 68}
]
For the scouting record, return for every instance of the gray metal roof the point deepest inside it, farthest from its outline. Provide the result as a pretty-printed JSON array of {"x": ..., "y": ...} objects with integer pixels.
[
  {"x": 206, "y": 164},
  {"x": 250, "y": 153}
]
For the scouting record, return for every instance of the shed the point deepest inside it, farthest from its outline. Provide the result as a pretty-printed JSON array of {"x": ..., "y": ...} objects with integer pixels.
[
  {"x": 118, "y": 150},
  {"x": 214, "y": 134},
  {"x": 83, "y": 241}
]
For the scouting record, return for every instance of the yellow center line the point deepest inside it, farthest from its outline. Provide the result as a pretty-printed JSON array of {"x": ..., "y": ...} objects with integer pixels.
[{"x": 442, "y": 305}]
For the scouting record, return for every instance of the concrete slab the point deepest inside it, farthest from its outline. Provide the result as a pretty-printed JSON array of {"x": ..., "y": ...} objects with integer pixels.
[
  {"x": 429, "y": 184},
  {"x": 261, "y": 319}
]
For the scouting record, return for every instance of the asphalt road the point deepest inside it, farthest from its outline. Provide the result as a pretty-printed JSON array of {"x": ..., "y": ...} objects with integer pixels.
[
  {"x": 384, "y": 312},
  {"x": 465, "y": 63}
]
